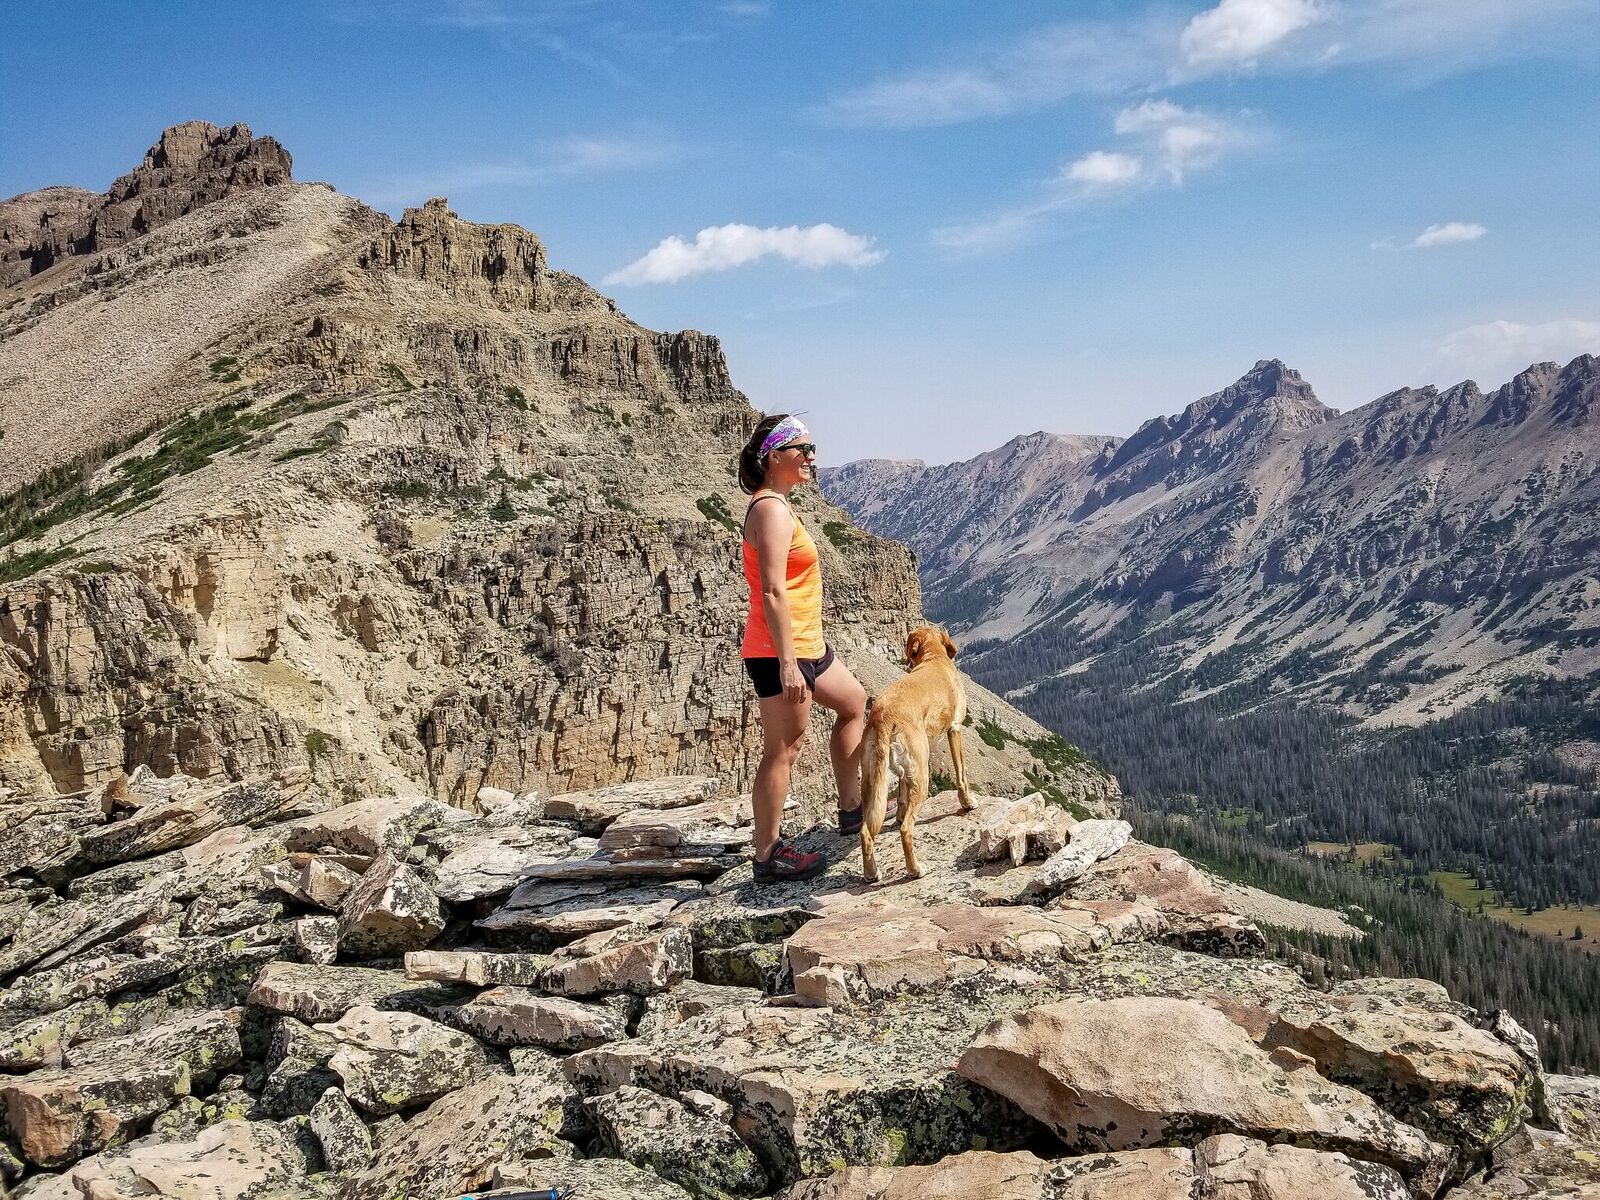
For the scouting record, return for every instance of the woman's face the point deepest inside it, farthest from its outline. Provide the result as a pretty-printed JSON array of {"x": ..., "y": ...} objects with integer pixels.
[{"x": 794, "y": 463}]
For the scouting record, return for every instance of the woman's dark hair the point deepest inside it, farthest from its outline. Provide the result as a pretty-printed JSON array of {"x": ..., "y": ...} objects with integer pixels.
[{"x": 753, "y": 468}]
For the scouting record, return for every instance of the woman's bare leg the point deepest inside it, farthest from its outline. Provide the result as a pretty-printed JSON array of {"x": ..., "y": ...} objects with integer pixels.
[
  {"x": 839, "y": 690},
  {"x": 783, "y": 733}
]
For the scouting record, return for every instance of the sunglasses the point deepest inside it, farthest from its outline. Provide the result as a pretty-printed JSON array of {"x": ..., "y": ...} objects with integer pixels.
[{"x": 809, "y": 449}]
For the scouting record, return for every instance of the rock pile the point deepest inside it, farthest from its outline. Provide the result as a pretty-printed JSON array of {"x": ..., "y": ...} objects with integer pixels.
[{"x": 245, "y": 987}]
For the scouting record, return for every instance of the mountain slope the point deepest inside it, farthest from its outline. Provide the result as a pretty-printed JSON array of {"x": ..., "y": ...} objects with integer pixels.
[
  {"x": 1423, "y": 549},
  {"x": 293, "y": 484}
]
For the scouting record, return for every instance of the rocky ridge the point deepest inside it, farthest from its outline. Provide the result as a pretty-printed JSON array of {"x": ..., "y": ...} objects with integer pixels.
[
  {"x": 298, "y": 487},
  {"x": 278, "y": 997},
  {"x": 1402, "y": 559}
]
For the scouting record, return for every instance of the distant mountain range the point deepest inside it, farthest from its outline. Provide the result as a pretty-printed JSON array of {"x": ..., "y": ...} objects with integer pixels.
[{"x": 1399, "y": 560}]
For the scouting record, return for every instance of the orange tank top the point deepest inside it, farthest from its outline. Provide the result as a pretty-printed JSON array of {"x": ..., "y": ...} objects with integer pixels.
[{"x": 803, "y": 582}]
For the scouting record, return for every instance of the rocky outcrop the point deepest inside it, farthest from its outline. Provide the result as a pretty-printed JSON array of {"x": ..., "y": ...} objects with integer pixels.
[
  {"x": 194, "y": 164},
  {"x": 968, "y": 1032}
]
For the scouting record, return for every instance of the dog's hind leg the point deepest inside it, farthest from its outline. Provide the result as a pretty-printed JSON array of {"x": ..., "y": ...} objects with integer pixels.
[
  {"x": 960, "y": 763},
  {"x": 913, "y": 791},
  {"x": 875, "y": 747}
]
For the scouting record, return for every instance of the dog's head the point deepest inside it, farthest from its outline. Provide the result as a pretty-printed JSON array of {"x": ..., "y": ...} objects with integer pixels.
[{"x": 928, "y": 641}]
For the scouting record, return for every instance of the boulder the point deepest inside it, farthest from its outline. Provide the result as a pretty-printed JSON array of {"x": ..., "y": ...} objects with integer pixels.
[
  {"x": 392, "y": 1061},
  {"x": 568, "y": 910},
  {"x": 588, "y": 1179},
  {"x": 108, "y": 1091},
  {"x": 1141, "y": 1072},
  {"x": 699, "y": 1152},
  {"x": 644, "y": 966},
  {"x": 476, "y": 967},
  {"x": 449, "y": 1148},
  {"x": 814, "y": 1087},
  {"x": 372, "y": 827},
  {"x": 513, "y": 1016},
  {"x": 231, "y": 1160},
  {"x": 192, "y": 816},
  {"x": 493, "y": 863},
  {"x": 1459, "y": 1084},
  {"x": 390, "y": 911},
  {"x": 858, "y": 953},
  {"x": 1018, "y": 830},
  {"x": 1090, "y": 842},
  {"x": 975, "y": 1175},
  {"x": 323, "y": 993},
  {"x": 297, "y": 1065},
  {"x": 346, "y": 1143},
  {"x": 320, "y": 880},
  {"x": 316, "y": 940},
  {"x": 710, "y": 826},
  {"x": 1236, "y": 1168},
  {"x": 592, "y": 811}
]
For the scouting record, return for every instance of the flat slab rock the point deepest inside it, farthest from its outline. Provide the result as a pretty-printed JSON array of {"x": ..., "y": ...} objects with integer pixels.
[
  {"x": 568, "y": 910},
  {"x": 1139, "y": 1072},
  {"x": 592, "y": 811},
  {"x": 313, "y": 992},
  {"x": 233, "y": 1158},
  {"x": 725, "y": 822},
  {"x": 493, "y": 863},
  {"x": 1220, "y": 1168}
]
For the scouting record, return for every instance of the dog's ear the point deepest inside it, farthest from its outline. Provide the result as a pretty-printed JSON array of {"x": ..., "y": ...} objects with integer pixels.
[
  {"x": 916, "y": 641},
  {"x": 949, "y": 646}
]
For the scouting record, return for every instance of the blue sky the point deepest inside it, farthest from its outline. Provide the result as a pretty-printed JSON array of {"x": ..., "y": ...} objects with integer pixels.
[{"x": 931, "y": 225}]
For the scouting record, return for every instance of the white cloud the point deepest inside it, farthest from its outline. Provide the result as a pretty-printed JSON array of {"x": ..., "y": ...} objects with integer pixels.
[
  {"x": 1499, "y": 348},
  {"x": 1103, "y": 168},
  {"x": 1182, "y": 140},
  {"x": 1240, "y": 31},
  {"x": 1447, "y": 234},
  {"x": 723, "y": 247}
]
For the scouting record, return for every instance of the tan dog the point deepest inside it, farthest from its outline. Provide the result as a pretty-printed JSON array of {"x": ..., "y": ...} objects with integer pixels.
[{"x": 904, "y": 720}]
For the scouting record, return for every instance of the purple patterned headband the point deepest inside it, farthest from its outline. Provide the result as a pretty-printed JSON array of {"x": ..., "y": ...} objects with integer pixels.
[{"x": 790, "y": 429}]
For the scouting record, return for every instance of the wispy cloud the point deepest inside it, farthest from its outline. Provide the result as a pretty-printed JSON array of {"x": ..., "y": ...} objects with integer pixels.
[
  {"x": 1447, "y": 233},
  {"x": 1239, "y": 32},
  {"x": 1155, "y": 49},
  {"x": 1498, "y": 348},
  {"x": 745, "y": 9},
  {"x": 563, "y": 158},
  {"x": 723, "y": 247},
  {"x": 1167, "y": 143},
  {"x": 1046, "y": 66}
]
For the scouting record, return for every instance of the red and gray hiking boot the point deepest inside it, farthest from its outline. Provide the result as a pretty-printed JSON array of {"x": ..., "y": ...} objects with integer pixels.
[{"x": 786, "y": 864}]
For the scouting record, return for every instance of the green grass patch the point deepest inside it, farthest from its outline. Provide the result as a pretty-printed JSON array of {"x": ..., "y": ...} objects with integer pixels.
[
  {"x": 97, "y": 567},
  {"x": 407, "y": 489},
  {"x": 616, "y": 502},
  {"x": 715, "y": 508},
  {"x": 840, "y": 533},
  {"x": 1560, "y": 922},
  {"x": 18, "y": 566},
  {"x": 514, "y": 396},
  {"x": 318, "y": 745},
  {"x": 401, "y": 381}
]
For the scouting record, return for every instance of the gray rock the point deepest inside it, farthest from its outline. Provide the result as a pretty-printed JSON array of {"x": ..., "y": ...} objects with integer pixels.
[
  {"x": 391, "y": 1061},
  {"x": 701, "y": 1153},
  {"x": 1090, "y": 842},
  {"x": 512, "y": 1016},
  {"x": 346, "y": 1143},
  {"x": 390, "y": 911}
]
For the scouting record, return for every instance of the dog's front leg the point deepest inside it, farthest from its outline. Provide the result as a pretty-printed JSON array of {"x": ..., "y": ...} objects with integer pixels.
[{"x": 960, "y": 763}]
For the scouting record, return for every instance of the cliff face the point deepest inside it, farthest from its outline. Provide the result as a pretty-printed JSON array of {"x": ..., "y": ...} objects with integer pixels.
[
  {"x": 295, "y": 485},
  {"x": 1260, "y": 525}
]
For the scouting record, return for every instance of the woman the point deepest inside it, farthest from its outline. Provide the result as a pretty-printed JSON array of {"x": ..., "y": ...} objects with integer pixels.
[{"x": 783, "y": 650}]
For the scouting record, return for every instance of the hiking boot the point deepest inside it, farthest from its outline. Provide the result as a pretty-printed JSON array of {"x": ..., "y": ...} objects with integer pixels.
[
  {"x": 850, "y": 818},
  {"x": 786, "y": 864}
]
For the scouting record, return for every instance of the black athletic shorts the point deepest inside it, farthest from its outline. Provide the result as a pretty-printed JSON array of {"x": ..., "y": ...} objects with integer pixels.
[{"x": 764, "y": 672}]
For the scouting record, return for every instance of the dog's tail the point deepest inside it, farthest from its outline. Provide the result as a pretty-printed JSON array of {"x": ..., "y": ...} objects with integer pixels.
[{"x": 880, "y": 751}]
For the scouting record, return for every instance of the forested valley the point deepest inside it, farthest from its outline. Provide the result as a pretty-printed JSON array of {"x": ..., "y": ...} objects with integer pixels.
[{"x": 1244, "y": 778}]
